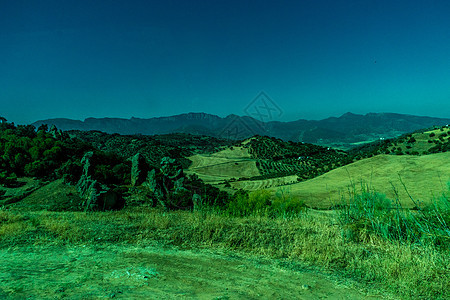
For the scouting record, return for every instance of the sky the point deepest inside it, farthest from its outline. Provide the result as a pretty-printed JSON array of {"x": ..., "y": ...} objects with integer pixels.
[{"x": 312, "y": 58}]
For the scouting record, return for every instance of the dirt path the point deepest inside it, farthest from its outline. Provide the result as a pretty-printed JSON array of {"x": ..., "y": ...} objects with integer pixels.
[{"x": 125, "y": 272}]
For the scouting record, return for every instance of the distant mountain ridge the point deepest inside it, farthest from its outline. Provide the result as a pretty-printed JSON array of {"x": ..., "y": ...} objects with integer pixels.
[{"x": 344, "y": 130}]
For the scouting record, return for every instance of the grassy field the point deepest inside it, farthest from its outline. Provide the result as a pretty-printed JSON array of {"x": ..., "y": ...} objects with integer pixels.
[
  {"x": 97, "y": 247},
  {"x": 366, "y": 248},
  {"x": 424, "y": 177},
  {"x": 263, "y": 242},
  {"x": 421, "y": 178},
  {"x": 99, "y": 271},
  {"x": 234, "y": 162}
]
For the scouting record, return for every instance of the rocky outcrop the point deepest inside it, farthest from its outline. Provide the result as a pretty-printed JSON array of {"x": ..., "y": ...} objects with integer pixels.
[
  {"x": 167, "y": 185},
  {"x": 196, "y": 201},
  {"x": 95, "y": 195},
  {"x": 173, "y": 176},
  {"x": 139, "y": 170}
]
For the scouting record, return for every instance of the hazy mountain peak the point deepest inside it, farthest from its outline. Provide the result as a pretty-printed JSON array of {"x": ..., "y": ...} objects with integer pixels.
[
  {"x": 350, "y": 115},
  {"x": 344, "y": 130}
]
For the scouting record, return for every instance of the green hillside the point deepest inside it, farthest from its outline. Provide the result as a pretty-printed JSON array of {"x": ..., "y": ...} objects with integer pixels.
[{"x": 422, "y": 178}]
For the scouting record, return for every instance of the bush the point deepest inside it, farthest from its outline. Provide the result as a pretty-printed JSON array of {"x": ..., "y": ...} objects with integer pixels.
[
  {"x": 264, "y": 203},
  {"x": 110, "y": 169},
  {"x": 70, "y": 171},
  {"x": 411, "y": 140},
  {"x": 8, "y": 180},
  {"x": 245, "y": 204},
  {"x": 179, "y": 200},
  {"x": 372, "y": 213},
  {"x": 38, "y": 168},
  {"x": 286, "y": 206},
  {"x": 210, "y": 195}
]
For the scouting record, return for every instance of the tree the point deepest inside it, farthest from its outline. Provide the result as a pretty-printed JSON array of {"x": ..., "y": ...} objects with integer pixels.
[
  {"x": 26, "y": 131},
  {"x": 43, "y": 127}
]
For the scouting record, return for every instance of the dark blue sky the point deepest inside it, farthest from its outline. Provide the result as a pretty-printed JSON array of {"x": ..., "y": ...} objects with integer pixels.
[{"x": 315, "y": 59}]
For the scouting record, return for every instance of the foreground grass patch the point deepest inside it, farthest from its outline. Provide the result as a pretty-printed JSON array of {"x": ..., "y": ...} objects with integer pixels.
[{"x": 414, "y": 272}]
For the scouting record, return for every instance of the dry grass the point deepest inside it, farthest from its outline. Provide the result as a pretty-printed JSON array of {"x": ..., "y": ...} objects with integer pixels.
[
  {"x": 234, "y": 152},
  {"x": 423, "y": 176},
  {"x": 223, "y": 165},
  {"x": 413, "y": 272}
]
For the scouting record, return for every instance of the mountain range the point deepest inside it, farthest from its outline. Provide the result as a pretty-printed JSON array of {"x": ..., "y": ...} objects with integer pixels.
[{"x": 343, "y": 131}]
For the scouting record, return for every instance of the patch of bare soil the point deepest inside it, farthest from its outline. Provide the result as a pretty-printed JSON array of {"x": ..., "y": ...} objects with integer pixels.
[{"x": 126, "y": 272}]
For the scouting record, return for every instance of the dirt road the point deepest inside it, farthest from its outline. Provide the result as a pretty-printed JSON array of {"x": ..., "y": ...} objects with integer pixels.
[{"x": 128, "y": 272}]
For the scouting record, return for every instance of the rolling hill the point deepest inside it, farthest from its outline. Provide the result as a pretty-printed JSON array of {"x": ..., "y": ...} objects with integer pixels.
[
  {"x": 260, "y": 158},
  {"x": 424, "y": 141},
  {"x": 421, "y": 177}
]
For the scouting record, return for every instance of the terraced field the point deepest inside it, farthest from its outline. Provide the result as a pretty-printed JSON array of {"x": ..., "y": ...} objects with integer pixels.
[
  {"x": 278, "y": 158},
  {"x": 253, "y": 185},
  {"x": 263, "y": 158}
]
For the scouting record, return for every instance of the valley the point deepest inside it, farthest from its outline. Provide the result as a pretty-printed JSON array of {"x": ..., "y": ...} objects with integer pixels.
[{"x": 149, "y": 210}]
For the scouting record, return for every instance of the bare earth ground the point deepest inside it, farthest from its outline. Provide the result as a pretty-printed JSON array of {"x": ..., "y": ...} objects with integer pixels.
[{"x": 129, "y": 272}]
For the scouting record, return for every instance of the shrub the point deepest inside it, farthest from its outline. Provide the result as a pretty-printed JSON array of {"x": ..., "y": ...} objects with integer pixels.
[
  {"x": 8, "y": 180},
  {"x": 179, "y": 200},
  {"x": 70, "y": 171},
  {"x": 38, "y": 168},
  {"x": 210, "y": 195},
  {"x": 109, "y": 168},
  {"x": 245, "y": 204},
  {"x": 263, "y": 203},
  {"x": 372, "y": 213},
  {"x": 284, "y": 205}
]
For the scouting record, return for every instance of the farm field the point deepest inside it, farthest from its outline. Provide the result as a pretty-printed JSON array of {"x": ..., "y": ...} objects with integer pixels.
[
  {"x": 261, "y": 158},
  {"x": 223, "y": 165},
  {"x": 254, "y": 185},
  {"x": 422, "y": 178}
]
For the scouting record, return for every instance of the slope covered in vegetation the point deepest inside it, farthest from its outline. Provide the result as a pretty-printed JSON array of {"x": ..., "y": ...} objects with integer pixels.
[
  {"x": 154, "y": 148},
  {"x": 100, "y": 174},
  {"x": 421, "y": 142},
  {"x": 278, "y": 158}
]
